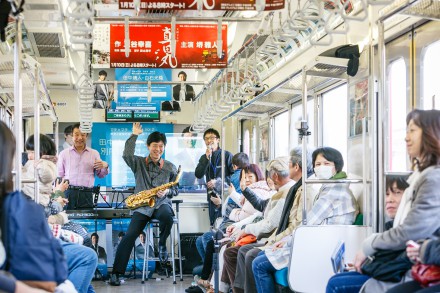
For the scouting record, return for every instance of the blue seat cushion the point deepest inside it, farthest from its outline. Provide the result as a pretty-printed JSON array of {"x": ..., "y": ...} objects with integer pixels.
[{"x": 281, "y": 277}]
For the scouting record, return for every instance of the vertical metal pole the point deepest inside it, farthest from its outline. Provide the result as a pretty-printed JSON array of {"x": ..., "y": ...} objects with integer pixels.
[
  {"x": 18, "y": 102},
  {"x": 364, "y": 170},
  {"x": 36, "y": 132},
  {"x": 304, "y": 147},
  {"x": 55, "y": 134},
  {"x": 378, "y": 173},
  {"x": 223, "y": 130}
]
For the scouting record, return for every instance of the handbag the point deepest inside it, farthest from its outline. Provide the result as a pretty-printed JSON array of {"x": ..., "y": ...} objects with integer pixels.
[
  {"x": 387, "y": 265},
  {"x": 247, "y": 239},
  {"x": 426, "y": 275}
]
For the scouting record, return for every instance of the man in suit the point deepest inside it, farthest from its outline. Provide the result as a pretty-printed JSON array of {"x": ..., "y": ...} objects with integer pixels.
[
  {"x": 100, "y": 251},
  {"x": 174, "y": 105},
  {"x": 102, "y": 93},
  {"x": 189, "y": 91}
]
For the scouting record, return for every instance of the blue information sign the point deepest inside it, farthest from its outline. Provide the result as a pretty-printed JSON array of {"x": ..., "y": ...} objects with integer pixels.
[
  {"x": 109, "y": 140},
  {"x": 135, "y": 96}
]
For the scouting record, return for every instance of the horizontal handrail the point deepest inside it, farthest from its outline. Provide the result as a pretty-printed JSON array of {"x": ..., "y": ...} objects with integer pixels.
[{"x": 324, "y": 181}]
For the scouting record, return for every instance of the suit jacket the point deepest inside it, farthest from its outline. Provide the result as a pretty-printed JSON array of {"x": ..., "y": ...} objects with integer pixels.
[{"x": 189, "y": 93}]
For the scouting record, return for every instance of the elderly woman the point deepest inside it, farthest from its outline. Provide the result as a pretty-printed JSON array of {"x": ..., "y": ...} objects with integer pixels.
[{"x": 333, "y": 205}]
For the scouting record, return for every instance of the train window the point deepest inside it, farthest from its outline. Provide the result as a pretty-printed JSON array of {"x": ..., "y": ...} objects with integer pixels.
[
  {"x": 397, "y": 115},
  {"x": 281, "y": 137},
  {"x": 430, "y": 84},
  {"x": 246, "y": 143},
  {"x": 297, "y": 115},
  {"x": 335, "y": 119}
]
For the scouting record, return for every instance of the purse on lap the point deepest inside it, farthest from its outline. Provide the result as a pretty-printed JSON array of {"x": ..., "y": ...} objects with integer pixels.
[
  {"x": 426, "y": 275},
  {"x": 387, "y": 265}
]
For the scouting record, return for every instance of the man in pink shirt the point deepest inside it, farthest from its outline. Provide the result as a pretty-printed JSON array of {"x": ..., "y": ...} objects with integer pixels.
[{"x": 79, "y": 164}]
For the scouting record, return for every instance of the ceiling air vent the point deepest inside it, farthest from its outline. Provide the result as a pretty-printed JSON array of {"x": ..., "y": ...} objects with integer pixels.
[{"x": 48, "y": 45}]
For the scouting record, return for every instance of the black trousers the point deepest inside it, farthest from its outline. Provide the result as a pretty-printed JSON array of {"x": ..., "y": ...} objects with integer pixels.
[
  {"x": 79, "y": 199},
  {"x": 137, "y": 224}
]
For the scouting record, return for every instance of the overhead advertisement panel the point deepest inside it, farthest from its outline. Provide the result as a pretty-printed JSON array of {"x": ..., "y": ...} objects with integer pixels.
[
  {"x": 239, "y": 5},
  {"x": 150, "y": 46}
]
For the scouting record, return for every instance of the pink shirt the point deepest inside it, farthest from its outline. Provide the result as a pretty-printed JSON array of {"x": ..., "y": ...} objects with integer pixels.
[{"x": 78, "y": 167}]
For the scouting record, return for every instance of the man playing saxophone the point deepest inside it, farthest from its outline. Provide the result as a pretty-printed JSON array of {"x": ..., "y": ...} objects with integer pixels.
[{"x": 149, "y": 172}]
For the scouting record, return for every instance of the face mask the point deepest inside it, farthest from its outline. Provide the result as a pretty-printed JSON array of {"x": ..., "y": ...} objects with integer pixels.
[{"x": 324, "y": 172}]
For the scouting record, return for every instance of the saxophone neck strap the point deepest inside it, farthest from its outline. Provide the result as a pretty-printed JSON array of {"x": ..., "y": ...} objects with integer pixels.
[{"x": 161, "y": 162}]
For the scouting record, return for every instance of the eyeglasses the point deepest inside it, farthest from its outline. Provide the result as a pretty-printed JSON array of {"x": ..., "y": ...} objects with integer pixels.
[{"x": 211, "y": 137}]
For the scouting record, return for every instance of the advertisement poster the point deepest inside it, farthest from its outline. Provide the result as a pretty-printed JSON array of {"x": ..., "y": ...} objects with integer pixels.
[
  {"x": 358, "y": 107},
  {"x": 136, "y": 261},
  {"x": 135, "y": 96},
  {"x": 207, "y": 5},
  {"x": 264, "y": 142},
  {"x": 101, "y": 46},
  {"x": 96, "y": 230},
  {"x": 196, "y": 46},
  {"x": 109, "y": 140}
]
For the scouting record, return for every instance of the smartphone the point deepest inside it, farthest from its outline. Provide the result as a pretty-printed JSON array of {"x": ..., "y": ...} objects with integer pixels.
[
  {"x": 60, "y": 179},
  {"x": 412, "y": 243}
]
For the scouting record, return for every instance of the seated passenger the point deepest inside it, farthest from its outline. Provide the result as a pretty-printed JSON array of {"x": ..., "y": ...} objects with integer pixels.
[
  {"x": 234, "y": 257},
  {"x": 46, "y": 169},
  {"x": 417, "y": 215},
  {"x": 351, "y": 282},
  {"x": 334, "y": 205},
  {"x": 252, "y": 179}
]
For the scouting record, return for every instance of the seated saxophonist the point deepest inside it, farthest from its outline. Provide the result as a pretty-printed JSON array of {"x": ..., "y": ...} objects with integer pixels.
[{"x": 149, "y": 172}]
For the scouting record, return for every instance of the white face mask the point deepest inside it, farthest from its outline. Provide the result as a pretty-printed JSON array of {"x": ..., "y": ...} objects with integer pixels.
[{"x": 324, "y": 172}]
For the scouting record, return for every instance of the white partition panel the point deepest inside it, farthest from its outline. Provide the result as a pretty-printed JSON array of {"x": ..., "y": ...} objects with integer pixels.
[{"x": 310, "y": 261}]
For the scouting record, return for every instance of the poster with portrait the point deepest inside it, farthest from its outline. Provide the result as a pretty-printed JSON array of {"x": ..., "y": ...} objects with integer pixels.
[
  {"x": 358, "y": 108},
  {"x": 264, "y": 142}
]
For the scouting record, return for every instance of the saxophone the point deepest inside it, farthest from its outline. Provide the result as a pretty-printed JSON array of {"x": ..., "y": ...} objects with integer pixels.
[{"x": 148, "y": 197}]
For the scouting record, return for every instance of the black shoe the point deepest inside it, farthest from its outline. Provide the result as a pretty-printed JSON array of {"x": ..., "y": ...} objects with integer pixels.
[
  {"x": 114, "y": 280},
  {"x": 194, "y": 289},
  {"x": 163, "y": 253}
]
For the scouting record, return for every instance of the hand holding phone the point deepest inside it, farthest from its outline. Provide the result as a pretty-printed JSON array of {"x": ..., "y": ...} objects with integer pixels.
[{"x": 413, "y": 251}]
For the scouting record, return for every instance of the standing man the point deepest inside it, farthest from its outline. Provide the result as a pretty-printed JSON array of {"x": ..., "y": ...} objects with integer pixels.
[
  {"x": 210, "y": 166},
  {"x": 102, "y": 93},
  {"x": 149, "y": 172},
  {"x": 79, "y": 164}
]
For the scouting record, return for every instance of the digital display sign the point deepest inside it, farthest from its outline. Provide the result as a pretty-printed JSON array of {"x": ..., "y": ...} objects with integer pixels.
[{"x": 123, "y": 115}]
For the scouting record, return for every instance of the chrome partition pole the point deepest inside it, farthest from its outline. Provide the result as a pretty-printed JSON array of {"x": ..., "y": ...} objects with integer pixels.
[
  {"x": 378, "y": 123},
  {"x": 36, "y": 133},
  {"x": 304, "y": 147},
  {"x": 223, "y": 131},
  {"x": 18, "y": 101}
]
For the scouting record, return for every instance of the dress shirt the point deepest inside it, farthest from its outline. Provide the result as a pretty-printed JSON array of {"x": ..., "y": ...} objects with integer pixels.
[{"x": 78, "y": 167}]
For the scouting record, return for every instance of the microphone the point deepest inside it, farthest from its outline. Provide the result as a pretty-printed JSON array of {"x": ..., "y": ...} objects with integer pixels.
[{"x": 210, "y": 154}]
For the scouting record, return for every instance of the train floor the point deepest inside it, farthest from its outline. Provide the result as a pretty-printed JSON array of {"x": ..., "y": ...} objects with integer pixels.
[{"x": 159, "y": 285}]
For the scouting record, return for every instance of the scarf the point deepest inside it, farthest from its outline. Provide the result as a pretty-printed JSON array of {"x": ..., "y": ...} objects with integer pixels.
[
  {"x": 408, "y": 197},
  {"x": 284, "y": 221}
]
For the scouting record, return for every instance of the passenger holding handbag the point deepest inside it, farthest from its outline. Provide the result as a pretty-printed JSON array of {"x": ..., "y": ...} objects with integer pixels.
[{"x": 418, "y": 213}]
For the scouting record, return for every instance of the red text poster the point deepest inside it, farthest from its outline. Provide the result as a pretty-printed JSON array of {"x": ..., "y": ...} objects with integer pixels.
[
  {"x": 238, "y": 5},
  {"x": 150, "y": 46}
]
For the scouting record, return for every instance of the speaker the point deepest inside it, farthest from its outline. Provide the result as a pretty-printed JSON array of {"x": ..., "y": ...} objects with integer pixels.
[{"x": 189, "y": 252}]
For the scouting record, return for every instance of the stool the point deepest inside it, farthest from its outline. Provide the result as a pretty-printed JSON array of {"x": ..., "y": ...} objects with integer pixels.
[{"x": 155, "y": 223}]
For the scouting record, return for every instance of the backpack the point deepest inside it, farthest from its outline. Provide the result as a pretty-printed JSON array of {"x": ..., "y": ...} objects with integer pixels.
[{"x": 33, "y": 254}]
